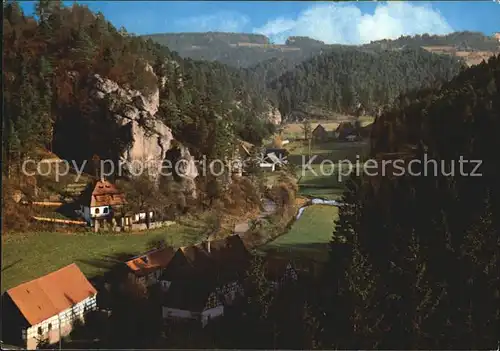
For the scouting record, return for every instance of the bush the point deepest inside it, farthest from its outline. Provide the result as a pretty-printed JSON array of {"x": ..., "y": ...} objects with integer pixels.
[{"x": 16, "y": 217}]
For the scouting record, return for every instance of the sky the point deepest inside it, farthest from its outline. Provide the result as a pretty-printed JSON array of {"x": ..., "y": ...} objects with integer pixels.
[{"x": 332, "y": 22}]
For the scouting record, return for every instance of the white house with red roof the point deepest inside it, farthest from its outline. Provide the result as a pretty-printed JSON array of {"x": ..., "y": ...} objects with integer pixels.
[
  {"x": 100, "y": 199},
  {"x": 45, "y": 308}
]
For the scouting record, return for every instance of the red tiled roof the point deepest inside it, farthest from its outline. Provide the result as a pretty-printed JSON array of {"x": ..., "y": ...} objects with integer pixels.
[
  {"x": 51, "y": 294},
  {"x": 103, "y": 193},
  {"x": 150, "y": 261}
]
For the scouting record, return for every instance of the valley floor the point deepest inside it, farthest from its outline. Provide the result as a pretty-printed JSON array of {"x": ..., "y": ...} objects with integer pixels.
[{"x": 309, "y": 235}]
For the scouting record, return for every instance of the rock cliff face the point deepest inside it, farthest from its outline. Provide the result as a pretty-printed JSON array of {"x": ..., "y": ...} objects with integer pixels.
[
  {"x": 274, "y": 116},
  {"x": 151, "y": 137}
]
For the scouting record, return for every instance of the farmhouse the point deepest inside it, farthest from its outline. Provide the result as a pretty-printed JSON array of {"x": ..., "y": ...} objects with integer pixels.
[
  {"x": 100, "y": 201},
  {"x": 209, "y": 278},
  {"x": 45, "y": 308},
  {"x": 190, "y": 289},
  {"x": 319, "y": 133},
  {"x": 101, "y": 205},
  {"x": 185, "y": 300},
  {"x": 148, "y": 267}
]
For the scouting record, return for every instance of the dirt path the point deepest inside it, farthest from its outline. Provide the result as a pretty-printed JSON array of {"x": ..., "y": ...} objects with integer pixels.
[{"x": 269, "y": 209}]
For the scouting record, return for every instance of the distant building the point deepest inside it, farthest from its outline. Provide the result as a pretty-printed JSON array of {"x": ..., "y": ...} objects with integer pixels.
[
  {"x": 497, "y": 36},
  {"x": 47, "y": 307},
  {"x": 273, "y": 158},
  {"x": 319, "y": 133}
]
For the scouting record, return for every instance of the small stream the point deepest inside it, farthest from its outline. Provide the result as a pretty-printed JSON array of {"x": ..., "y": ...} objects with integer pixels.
[{"x": 317, "y": 201}]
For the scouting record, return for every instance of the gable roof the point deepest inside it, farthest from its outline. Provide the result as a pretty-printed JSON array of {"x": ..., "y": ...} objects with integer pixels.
[
  {"x": 197, "y": 256},
  {"x": 319, "y": 129},
  {"x": 102, "y": 193},
  {"x": 213, "y": 264},
  {"x": 151, "y": 261},
  {"x": 230, "y": 258},
  {"x": 218, "y": 261},
  {"x": 47, "y": 296}
]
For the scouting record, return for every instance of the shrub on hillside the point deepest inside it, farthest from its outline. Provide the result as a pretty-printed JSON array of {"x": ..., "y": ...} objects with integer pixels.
[{"x": 15, "y": 216}]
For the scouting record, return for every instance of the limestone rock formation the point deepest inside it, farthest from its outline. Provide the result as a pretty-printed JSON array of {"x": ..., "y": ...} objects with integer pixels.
[
  {"x": 274, "y": 116},
  {"x": 151, "y": 137}
]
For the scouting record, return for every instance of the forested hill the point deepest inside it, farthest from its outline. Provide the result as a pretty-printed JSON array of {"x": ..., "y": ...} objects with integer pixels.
[
  {"x": 459, "y": 40},
  {"x": 234, "y": 49},
  {"x": 305, "y": 74},
  {"x": 48, "y": 66},
  {"x": 420, "y": 251},
  {"x": 246, "y": 50},
  {"x": 347, "y": 78}
]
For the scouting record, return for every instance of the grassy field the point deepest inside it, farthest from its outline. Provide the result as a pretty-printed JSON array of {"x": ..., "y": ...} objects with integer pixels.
[
  {"x": 322, "y": 178},
  {"x": 28, "y": 256},
  {"x": 309, "y": 235}
]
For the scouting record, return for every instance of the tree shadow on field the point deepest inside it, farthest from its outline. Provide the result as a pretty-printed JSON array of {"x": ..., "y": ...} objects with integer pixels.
[{"x": 4, "y": 268}]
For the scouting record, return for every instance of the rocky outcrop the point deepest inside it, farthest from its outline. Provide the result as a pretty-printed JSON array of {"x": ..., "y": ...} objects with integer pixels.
[
  {"x": 274, "y": 116},
  {"x": 151, "y": 137}
]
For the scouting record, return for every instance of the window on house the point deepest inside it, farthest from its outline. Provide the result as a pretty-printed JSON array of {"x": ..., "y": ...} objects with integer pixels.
[
  {"x": 50, "y": 326},
  {"x": 40, "y": 331},
  {"x": 106, "y": 210},
  {"x": 96, "y": 211}
]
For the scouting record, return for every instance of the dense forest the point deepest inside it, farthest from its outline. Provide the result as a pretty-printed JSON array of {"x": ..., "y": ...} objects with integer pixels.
[
  {"x": 459, "y": 40},
  {"x": 247, "y": 50},
  {"x": 415, "y": 259},
  {"x": 305, "y": 72},
  {"x": 345, "y": 78},
  {"x": 47, "y": 65}
]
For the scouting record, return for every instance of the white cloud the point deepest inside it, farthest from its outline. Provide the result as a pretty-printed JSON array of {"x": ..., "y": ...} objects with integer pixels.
[
  {"x": 346, "y": 24},
  {"x": 223, "y": 21}
]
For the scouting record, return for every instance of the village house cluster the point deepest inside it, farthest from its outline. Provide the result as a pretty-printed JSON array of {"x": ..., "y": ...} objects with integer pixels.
[
  {"x": 196, "y": 282},
  {"x": 345, "y": 131}
]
